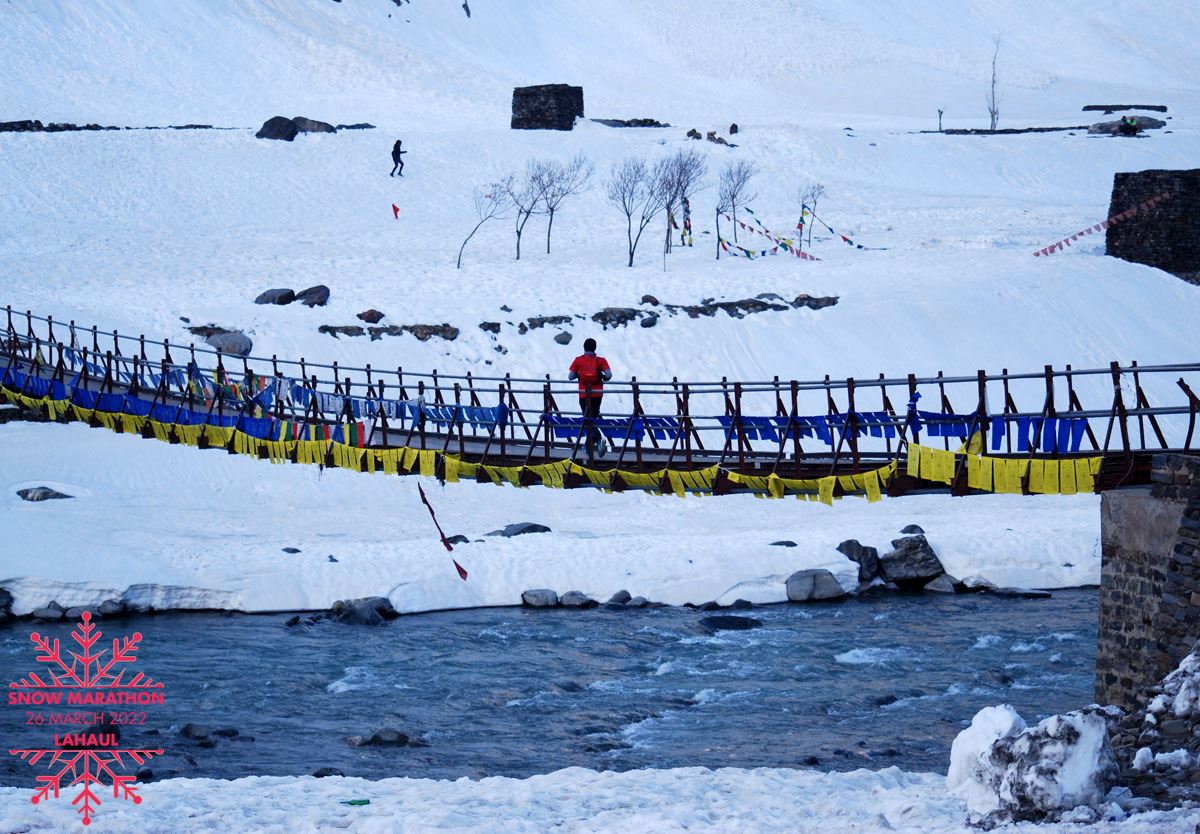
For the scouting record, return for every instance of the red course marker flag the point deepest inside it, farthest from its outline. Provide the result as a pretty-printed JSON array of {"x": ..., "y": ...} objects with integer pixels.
[
  {"x": 395, "y": 211},
  {"x": 462, "y": 572}
]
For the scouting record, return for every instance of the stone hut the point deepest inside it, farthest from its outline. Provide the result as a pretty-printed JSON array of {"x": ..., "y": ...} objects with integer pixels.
[
  {"x": 1166, "y": 236},
  {"x": 546, "y": 107}
]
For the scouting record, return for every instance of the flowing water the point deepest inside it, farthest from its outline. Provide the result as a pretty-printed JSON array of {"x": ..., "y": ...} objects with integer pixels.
[{"x": 507, "y": 691}]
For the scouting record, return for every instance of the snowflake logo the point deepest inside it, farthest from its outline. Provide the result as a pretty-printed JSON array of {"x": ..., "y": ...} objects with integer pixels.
[{"x": 87, "y": 676}]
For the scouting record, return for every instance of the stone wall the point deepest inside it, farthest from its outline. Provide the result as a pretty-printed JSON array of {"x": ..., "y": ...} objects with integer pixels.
[
  {"x": 1166, "y": 236},
  {"x": 1150, "y": 580},
  {"x": 546, "y": 107}
]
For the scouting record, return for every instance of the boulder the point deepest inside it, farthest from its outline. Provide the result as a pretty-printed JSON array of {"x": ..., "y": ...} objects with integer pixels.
[
  {"x": 783, "y": 543},
  {"x": 740, "y": 604},
  {"x": 815, "y": 583},
  {"x": 364, "y": 611},
  {"x": 649, "y": 299},
  {"x": 912, "y": 530},
  {"x": 563, "y": 338},
  {"x": 280, "y": 296},
  {"x": 6, "y": 599},
  {"x": 317, "y": 296},
  {"x": 637, "y": 602},
  {"x": 539, "y": 598},
  {"x": 943, "y": 584},
  {"x": 76, "y": 612},
  {"x": 729, "y": 622},
  {"x": 388, "y": 737},
  {"x": 278, "y": 127},
  {"x": 733, "y": 128},
  {"x": 371, "y": 316},
  {"x": 911, "y": 564},
  {"x": 576, "y": 599},
  {"x": 41, "y": 493},
  {"x": 357, "y": 126},
  {"x": 232, "y": 342},
  {"x": 306, "y": 125},
  {"x": 144, "y": 774},
  {"x": 458, "y": 538},
  {"x": 292, "y": 550},
  {"x": 711, "y": 605},
  {"x": 1114, "y": 128},
  {"x": 619, "y": 598},
  {"x": 48, "y": 614},
  {"x": 867, "y": 558},
  {"x": 521, "y": 528},
  {"x": 489, "y": 326},
  {"x": 650, "y": 320},
  {"x": 195, "y": 732},
  {"x": 323, "y": 772}
]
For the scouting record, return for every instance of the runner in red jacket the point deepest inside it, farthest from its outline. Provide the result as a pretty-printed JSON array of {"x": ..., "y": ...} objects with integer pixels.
[{"x": 592, "y": 371}]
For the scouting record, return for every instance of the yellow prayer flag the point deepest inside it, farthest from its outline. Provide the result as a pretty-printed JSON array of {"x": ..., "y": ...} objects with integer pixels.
[
  {"x": 1084, "y": 481},
  {"x": 913, "y": 464},
  {"x": 1066, "y": 477},
  {"x": 1037, "y": 476},
  {"x": 871, "y": 480},
  {"x": 1051, "y": 477},
  {"x": 825, "y": 487}
]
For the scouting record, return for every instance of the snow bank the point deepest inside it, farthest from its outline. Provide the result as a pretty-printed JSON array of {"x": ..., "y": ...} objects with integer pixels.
[
  {"x": 1005, "y": 770},
  {"x": 571, "y": 800},
  {"x": 176, "y": 527}
]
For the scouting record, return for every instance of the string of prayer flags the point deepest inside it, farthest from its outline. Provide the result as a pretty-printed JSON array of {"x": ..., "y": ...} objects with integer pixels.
[
  {"x": 1103, "y": 225},
  {"x": 805, "y": 211}
]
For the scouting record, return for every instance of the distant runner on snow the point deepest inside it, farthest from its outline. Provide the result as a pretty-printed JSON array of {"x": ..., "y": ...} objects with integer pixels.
[{"x": 397, "y": 160}]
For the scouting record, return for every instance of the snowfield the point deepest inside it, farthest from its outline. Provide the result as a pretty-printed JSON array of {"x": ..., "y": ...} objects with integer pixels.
[
  {"x": 573, "y": 800},
  {"x": 175, "y": 527}
]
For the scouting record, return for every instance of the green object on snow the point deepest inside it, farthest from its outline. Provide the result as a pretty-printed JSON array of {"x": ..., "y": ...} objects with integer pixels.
[{"x": 356, "y": 802}]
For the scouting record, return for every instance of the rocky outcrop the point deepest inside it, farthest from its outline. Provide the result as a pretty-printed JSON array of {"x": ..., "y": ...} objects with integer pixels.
[
  {"x": 546, "y": 107},
  {"x": 364, "y": 611},
  {"x": 521, "y": 528},
  {"x": 867, "y": 558},
  {"x": 285, "y": 129},
  {"x": 631, "y": 122},
  {"x": 41, "y": 493},
  {"x": 911, "y": 564}
]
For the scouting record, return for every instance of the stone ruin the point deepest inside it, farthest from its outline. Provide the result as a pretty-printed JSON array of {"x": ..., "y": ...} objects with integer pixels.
[
  {"x": 546, "y": 107},
  {"x": 1166, "y": 236}
]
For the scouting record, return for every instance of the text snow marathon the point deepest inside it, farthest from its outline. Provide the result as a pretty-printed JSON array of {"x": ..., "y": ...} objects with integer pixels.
[{"x": 89, "y": 697}]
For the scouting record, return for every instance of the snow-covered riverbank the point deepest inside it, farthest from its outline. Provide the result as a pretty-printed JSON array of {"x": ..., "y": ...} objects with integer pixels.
[
  {"x": 571, "y": 800},
  {"x": 176, "y": 527}
]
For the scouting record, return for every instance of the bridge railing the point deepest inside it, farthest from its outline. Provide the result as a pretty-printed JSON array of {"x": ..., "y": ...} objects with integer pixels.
[{"x": 774, "y": 425}]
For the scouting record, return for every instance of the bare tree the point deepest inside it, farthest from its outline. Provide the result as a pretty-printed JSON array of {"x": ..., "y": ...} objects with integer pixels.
[
  {"x": 491, "y": 203},
  {"x": 632, "y": 190},
  {"x": 733, "y": 190},
  {"x": 526, "y": 193},
  {"x": 677, "y": 178},
  {"x": 993, "y": 98},
  {"x": 809, "y": 196},
  {"x": 563, "y": 180}
]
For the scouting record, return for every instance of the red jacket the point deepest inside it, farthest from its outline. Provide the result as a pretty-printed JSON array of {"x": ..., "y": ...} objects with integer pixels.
[{"x": 592, "y": 370}]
